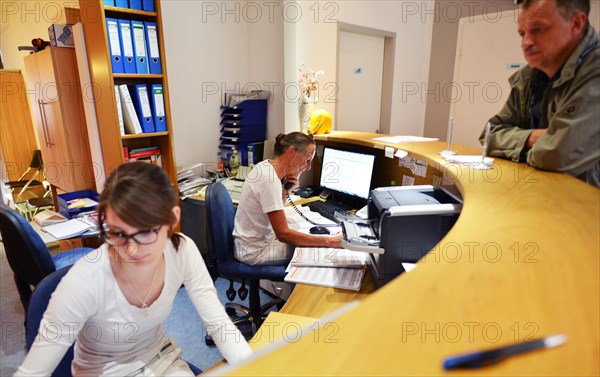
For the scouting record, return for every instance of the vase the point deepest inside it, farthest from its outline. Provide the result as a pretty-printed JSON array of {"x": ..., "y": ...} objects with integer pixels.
[{"x": 305, "y": 109}]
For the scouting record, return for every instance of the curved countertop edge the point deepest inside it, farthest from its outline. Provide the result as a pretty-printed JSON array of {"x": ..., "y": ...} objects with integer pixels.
[{"x": 521, "y": 262}]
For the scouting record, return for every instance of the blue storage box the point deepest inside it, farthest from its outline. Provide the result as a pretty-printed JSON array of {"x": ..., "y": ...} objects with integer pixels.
[{"x": 64, "y": 199}]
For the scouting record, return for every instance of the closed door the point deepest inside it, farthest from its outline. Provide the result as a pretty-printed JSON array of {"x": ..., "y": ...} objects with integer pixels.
[
  {"x": 360, "y": 73},
  {"x": 488, "y": 53}
]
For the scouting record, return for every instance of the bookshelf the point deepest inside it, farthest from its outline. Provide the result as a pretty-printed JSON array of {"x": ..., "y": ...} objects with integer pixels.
[{"x": 93, "y": 16}]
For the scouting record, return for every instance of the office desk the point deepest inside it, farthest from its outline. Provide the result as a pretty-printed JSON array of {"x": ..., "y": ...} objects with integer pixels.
[
  {"x": 522, "y": 261},
  {"x": 89, "y": 239}
]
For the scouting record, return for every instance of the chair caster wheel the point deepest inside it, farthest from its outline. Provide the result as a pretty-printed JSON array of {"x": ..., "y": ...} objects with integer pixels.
[
  {"x": 230, "y": 311},
  {"x": 209, "y": 341}
]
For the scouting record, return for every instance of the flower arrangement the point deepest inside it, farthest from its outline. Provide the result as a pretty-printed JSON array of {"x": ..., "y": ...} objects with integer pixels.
[{"x": 308, "y": 85}]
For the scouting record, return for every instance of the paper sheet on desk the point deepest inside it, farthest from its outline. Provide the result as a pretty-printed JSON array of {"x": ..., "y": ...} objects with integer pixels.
[
  {"x": 467, "y": 160},
  {"x": 67, "y": 229},
  {"x": 327, "y": 257},
  {"x": 296, "y": 222},
  {"x": 344, "y": 278},
  {"x": 404, "y": 139}
]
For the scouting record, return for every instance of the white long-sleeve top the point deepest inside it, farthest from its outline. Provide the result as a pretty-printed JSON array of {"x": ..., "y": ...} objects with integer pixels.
[{"x": 114, "y": 336}]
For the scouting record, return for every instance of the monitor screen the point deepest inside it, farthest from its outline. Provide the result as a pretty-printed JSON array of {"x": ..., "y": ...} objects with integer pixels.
[{"x": 347, "y": 172}]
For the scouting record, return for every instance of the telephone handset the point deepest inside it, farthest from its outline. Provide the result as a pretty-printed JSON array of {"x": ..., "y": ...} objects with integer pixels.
[{"x": 286, "y": 184}]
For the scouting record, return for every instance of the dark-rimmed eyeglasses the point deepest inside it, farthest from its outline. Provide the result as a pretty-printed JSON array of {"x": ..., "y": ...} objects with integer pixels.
[{"x": 119, "y": 238}]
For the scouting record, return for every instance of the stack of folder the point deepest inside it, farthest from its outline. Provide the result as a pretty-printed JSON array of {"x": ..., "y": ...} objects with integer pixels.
[
  {"x": 140, "y": 110},
  {"x": 133, "y": 46},
  {"x": 146, "y": 5},
  {"x": 149, "y": 154}
]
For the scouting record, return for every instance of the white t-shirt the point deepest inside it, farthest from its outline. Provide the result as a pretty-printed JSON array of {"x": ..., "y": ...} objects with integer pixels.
[
  {"x": 255, "y": 241},
  {"x": 114, "y": 336}
]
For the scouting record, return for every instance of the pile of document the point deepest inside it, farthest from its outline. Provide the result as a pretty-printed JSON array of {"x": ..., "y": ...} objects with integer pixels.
[
  {"x": 61, "y": 228},
  {"x": 328, "y": 267},
  {"x": 190, "y": 181},
  {"x": 140, "y": 110},
  {"x": 134, "y": 47},
  {"x": 232, "y": 99},
  {"x": 148, "y": 154},
  {"x": 68, "y": 229}
]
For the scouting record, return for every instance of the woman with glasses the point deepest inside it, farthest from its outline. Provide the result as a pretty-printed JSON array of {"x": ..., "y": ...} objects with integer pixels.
[{"x": 113, "y": 301}]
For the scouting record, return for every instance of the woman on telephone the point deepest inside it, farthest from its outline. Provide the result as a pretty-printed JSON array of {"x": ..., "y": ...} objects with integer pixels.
[{"x": 262, "y": 235}]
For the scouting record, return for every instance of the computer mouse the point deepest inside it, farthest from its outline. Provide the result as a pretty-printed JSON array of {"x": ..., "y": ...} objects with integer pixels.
[{"x": 319, "y": 230}]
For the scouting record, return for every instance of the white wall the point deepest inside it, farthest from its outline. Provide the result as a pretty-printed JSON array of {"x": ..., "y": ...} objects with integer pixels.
[
  {"x": 316, "y": 47},
  {"x": 215, "y": 45},
  {"x": 21, "y": 21},
  {"x": 212, "y": 47}
]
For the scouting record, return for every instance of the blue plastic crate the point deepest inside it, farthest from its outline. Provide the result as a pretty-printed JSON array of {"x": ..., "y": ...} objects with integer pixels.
[{"x": 70, "y": 213}]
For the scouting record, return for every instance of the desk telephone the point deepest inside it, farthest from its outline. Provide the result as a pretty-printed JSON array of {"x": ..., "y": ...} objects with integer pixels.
[{"x": 317, "y": 228}]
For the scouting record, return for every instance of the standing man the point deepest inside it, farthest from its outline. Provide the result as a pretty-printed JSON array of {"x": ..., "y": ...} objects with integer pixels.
[{"x": 552, "y": 117}]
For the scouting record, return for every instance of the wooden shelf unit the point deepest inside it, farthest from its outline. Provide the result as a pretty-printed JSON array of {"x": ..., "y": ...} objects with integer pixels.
[{"x": 93, "y": 15}]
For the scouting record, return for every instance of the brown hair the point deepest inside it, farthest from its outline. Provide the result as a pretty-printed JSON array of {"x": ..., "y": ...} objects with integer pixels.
[
  {"x": 298, "y": 140},
  {"x": 142, "y": 196}
]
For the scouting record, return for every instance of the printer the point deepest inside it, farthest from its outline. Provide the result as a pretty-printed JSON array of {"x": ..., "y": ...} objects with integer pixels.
[{"x": 404, "y": 223}]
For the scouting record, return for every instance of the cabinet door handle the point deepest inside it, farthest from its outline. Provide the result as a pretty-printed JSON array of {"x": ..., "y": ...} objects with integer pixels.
[
  {"x": 41, "y": 108},
  {"x": 45, "y": 123}
]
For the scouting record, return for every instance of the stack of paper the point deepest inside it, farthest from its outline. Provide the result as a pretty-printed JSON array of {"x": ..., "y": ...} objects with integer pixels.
[
  {"x": 336, "y": 268},
  {"x": 67, "y": 229},
  {"x": 327, "y": 257},
  {"x": 49, "y": 217}
]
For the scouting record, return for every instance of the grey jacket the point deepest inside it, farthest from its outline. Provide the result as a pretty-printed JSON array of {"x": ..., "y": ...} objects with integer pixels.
[{"x": 571, "y": 111}]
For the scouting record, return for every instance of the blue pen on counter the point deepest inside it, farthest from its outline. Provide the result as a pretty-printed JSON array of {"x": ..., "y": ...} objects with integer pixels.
[{"x": 484, "y": 358}]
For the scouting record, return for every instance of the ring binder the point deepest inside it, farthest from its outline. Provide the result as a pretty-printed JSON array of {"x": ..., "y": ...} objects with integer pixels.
[
  {"x": 126, "y": 46},
  {"x": 153, "y": 50},
  {"x": 114, "y": 45},
  {"x": 139, "y": 47}
]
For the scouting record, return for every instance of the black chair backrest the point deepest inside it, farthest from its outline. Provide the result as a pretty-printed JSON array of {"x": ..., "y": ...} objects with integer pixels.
[
  {"x": 36, "y": 161},
  {"x": 27, "y": 254},
  {"x": 35, "y": 312},
  {"x": 221, "y": 216}
]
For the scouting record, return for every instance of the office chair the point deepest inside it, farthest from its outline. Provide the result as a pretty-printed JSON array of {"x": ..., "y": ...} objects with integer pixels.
[
  {"x": 220, "y": 214},
  {"x": 35, "y": 312},
  {"x": 28, "y": 255},
  {"x": 21, "y": 185}
]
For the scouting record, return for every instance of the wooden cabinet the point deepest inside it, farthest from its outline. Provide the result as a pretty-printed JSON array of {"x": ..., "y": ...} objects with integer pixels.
[
  {"x": 55, "y": 97},
  {"x": 93, "y": 16},
  {"x": 17, "y": 138}
]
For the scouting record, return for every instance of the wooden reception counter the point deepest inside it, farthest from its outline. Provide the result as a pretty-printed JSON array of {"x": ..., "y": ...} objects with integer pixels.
[{"x": 522, "y": 262}]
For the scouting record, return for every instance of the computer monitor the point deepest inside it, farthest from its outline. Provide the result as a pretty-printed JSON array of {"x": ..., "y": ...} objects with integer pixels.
[{"x": 347, "y": 172}]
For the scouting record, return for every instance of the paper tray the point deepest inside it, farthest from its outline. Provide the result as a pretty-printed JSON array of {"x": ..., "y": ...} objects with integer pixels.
[{"x": 359, "y": 236}]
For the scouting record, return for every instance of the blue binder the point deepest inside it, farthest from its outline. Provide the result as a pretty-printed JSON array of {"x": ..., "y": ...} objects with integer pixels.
[
  {"x": 127, "y": 54},
  {"x": 153, "y": 50},
  {"x": 122, "y": 3},
  {"x": 148, "y": 5},
  {"x": 139, "y": 47},
  {"x": 135, "y": 4},
  {"x": 112, "y": 29},
  {"x": 141, "y": 101},
  {"x": 158, "y": 107},
  {"x": 109, "y": 3}
]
